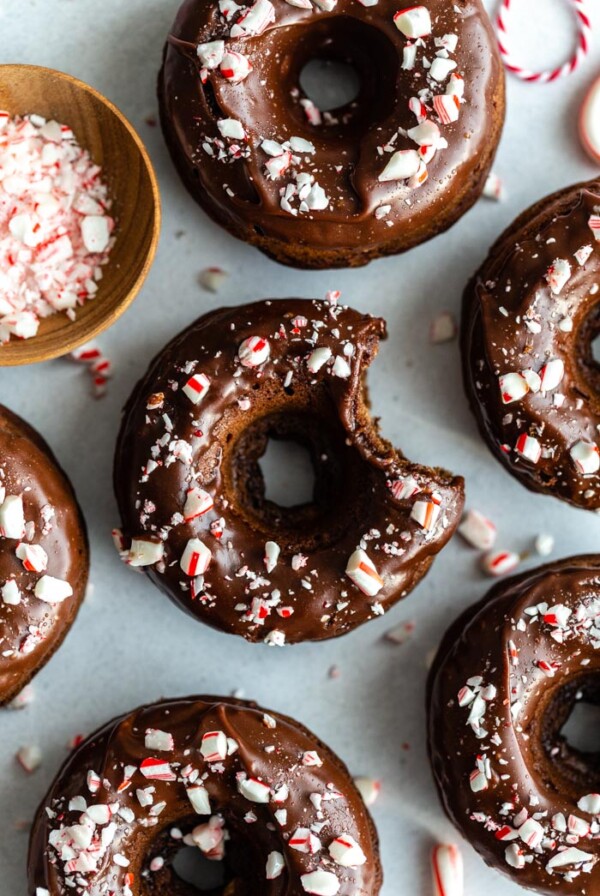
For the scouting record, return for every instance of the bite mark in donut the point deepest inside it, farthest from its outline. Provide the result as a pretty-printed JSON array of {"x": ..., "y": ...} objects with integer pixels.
[
  {"x": 505, "y": 680},
  {"x": 192, "y": 495}
]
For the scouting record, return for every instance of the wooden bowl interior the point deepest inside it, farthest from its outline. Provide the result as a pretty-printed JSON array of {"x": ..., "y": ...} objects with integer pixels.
[{"x": 104, "y": 132}]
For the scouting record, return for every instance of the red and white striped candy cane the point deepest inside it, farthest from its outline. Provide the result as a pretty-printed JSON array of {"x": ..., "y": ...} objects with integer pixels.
[
  {"x": 447, "y": 866},
  {"x": 583, "y": 45}
]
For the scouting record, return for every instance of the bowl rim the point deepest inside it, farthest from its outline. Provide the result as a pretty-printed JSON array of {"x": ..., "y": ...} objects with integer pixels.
[{"x": 25, "y": 353}]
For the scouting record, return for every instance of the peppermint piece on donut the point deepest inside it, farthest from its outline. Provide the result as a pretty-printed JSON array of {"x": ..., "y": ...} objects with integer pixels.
[
  {"x": 590, "y": 803},
  {"x": 500, "y": 563},
  {"x": 341, "y": 368},
  {"x": 145, "y": 552},
  {"x": 157, "y": 770},
  {"x": 514, "y": 856},
  {"x": 197, "y": 503},
  {"x": 583, "y": 255},
  {"x": 403, "y": 489},
  {"x": 311, "y": 759},
  {"x": 198, "y": 797},
  {"x": 278, "y": 165},
  {"x": 320, "y": 883},
  {"x": 303, "y": 840},
  {"x": 254, "y": 20},
  {"x": 529, "y": 447},
  {"x": 11, "y": 594},
  {"x": 318, "y": 358},
  {"x": 478, "y": 531},
  {"x": 425, "y": 134},
  {"x": 231, "y": 128},
  {"x": 441, "y": 68},
  {"x": 158, "y": 740},
  {"x": 52, "y": 590},
  {"x": 214, "y": 746},
  {"x": 594, "y": 225},
  {"x": 558, "y": 275},
  {"x": 235, "y": 67},
  {"x": 272, "y": 551},
  {"x": 426, "y": 514},
  {"x": 196, "y": 558},
  {"x": 275, "y": 861},
  {"x": 12, "y": 517},
  {"x": 403, "y": 164},
  {"x": 513, "y": 387},
  {"x": 531, "y": 833},
  {"x": 345, "y": 851},
  {"x": 211, "y": 54},
  {"x": 414, "y": 21},
  {"x": 361, "y": 570},
  {"x": 254, "y": 790},
  {"x": 569, "y": 856},
  {"x": 447, "y": 867},
  {"x": 586, "y": 457},
  {"x": 33, "y": 557},
  {"x": 447, "y": 107},
  {"x": 93, "y": 782},
  {"x": 196, "y": 387},
  {"x": 254, "y": 351},
  {"x": 326, "y": 5},
  {"x": 552, "y": 374}
]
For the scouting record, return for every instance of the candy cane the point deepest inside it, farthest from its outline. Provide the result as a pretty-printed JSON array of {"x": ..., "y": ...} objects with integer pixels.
[
  {"x": 447, "y": 867},
  {"x": 583, "y": 45}
]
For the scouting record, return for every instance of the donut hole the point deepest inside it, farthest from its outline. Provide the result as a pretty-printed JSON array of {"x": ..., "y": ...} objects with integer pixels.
[
  {"x": 572, "y": 752},
  {"x": 288, "y": 473},
  {"x": 330, "y": 83},
  {"x": 192, "y": 867}
]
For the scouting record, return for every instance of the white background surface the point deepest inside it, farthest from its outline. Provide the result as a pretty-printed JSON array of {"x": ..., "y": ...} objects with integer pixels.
[{"x": 130, "y": 644}]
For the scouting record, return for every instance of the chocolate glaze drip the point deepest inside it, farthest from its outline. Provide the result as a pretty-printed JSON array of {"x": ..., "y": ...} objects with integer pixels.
[
  {"x": 512, "y": 322},
  {"x": 307, "y": 595},
  {"x": 32, "y": 630},
  {"x": 347, "y": 160},
  {"x": 525, "y": 653},
  {"x": 142, "y": 833}
]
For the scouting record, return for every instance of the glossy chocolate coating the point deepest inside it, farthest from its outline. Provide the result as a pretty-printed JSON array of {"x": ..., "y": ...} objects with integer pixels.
[
  {"x": 32, "y": 630},
  {"x": 512, "y": 322},
  {"x": 142, "y": 833},
  {"x": 217, "y": 445},
  {"x": 348, "y": 158},
  {"x": 526, "y": 654}
]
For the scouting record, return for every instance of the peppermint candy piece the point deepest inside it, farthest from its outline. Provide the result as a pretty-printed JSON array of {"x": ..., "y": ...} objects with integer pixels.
[
  {"x": 403, "y": 164},
  {"x": 255, "y": 20},
  {"x": 590, "y": 803},
  {"x": 361, "y": 570},
  {"x": 254, "y": 351},
  {"x": 552, "y": 374},
  {"x": 145, "y": 552},
  {"x": 414, "y": 21},
  {"x": 157, "y": 770},
  {"x": 196, "y": 558},
  {"x": 52, "y": 591},
  {"x": 558, "y": 275},
  {"x": 529, "y": 447},
  {"x": 254, "y": 790},
  {"x": 477, "y": 530},
  {"x": 197, "y": 503},
  {"x": 198, "y": 797},
  {"x": 320, "y": 883},
  {"x": 155, "y": 739},
  {"x": 211, "y": 54},
  {"x": 447, "y": 867},
  {"x": 235, "y": 67},
  {"x": 12, "y": 517},
  {"x": 275, "y": 861},
  {"x": 586, "y": 457},
  {"x": 345, "y": 851},
  {"x": 513, "y": 387},
  {"x": 196, "y": 387},
  {"x": 214, "y": 746},
  {"x": 33, "y": 557},
  {"x": 500, "y": 563},
  {"x": 594, "y": 225}
]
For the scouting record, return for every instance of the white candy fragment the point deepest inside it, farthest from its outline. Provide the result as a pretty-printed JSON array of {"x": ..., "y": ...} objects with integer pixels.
[
  {"x": 155, "y": 739},
  {"x": 361, "y": 570},
  {"x": 586, "y": 457},
  {"x": 272, "y": 551},
  {"x": 51, "y": 590},
  {"x": 29, "y": 758},
  {"x": 254, "y": 790},
  {"x": 443, "y": 328},
  {"x": 320, "y": 883},
  {"x": 196, "y": 558},
  {"x": 95, "y": 233},
  {"x": 198, "y": 797},
  {"x": 413, "y": 22},
  {"x": 211, "y": 54},
  {"x": 558, "y": 275},
  {"x": 254, "y": 351},
  {"x": 12, "y": 517},
  {"x": 275, "y": 861},
  {"x": 145, "y": 552},
  {"x": 345, "y": 851},
  {"x": 402, "y": 165}
]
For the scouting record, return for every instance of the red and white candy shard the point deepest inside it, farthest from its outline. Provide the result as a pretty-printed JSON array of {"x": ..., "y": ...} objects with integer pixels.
[
  {"x": 275, "y": 865},
  {"x": 403, "y": 164},
  {"x": 447, "y": 107},
  {"x": 254, "y": 20},
  {"x": 198, "y": 797},
  {"x": 552, "y": 374},
  {"x": 448, "y": 873},
  {"x": 29, "y": 758},
  {"x": 361, "y": 570},
  {"x": 212, "y": 279},
  {"x": 254, "y": 790},
  {"x": 158, "y": 740},
  {"x": 10, "y": 593},
  {"x": 425, "y": 513},
  {"x": 214, "y": 746},
  {"x": 272, "y": 551},
  {"x": 157, "y": 770},
  {"x": 52, "y": 590},
  {"x": 477, "y": 530},
  {"x": 590, "y": 803},
  {"x": 145, "y": 552},
  {"x": 196, "y": 387},
  {"x": 197, "y": 503},
  {"x": 235, "y": 67},
  {"x": 529, "y": 447},
  {"x": 513, "y": 387},
  {"x": 369, "y": 789},
  {"x": 558, "y": 275},
  {"x": 33, "y": 557},
  {"x": 500, "y": 563},
  {"x": 414, "y": 21},
  {"x": 254, "y": 351},
  {"x": 211, "y": 54},
  {"x": 196, "y": 558},
  {"x": 320, "y": 883},
  {"x": 345, "y": 851},
  {"x": 594, "y": 225},
  {"x": 586, "y": 457}
]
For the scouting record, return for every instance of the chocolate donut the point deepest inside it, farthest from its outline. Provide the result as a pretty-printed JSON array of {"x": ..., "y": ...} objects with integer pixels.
[
  {"x": 396, "y": 166},
  {"x": 254, "y": 790},
  {"x": 44, "y": 558},
  {"x": 192, "y": 495},
  {"x": 503, "y": 684},
  {"x": 530, "y": 316}
]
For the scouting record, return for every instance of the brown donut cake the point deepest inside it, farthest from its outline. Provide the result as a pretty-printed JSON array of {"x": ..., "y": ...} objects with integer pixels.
[
  {"x": 503, "y": 684},
  {"x": 43, "y": 554},
  {"x": 253, "y": 790},
  {"x": 396, "y": 166},
  {"x": 530, "y": 316},
  {"x": 192, "y": 495}
]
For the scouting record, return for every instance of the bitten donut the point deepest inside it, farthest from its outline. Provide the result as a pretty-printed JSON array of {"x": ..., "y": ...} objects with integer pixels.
[
  {"x": 192, "y": 496},
  {"x": 253, "y": 790},
  {"x": 43, "y": 554},
  {"x": 530, "y": 317},
  {"x": 503, "y": 684},
  {"x": 394, "y": 167}
]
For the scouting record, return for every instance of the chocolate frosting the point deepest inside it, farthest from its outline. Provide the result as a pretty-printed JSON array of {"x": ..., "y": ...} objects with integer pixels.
[
  {"x": 504, "y": 682},
  {"x": 364, "y": 217},
  {"x": 367, "y": 495},
  {"x": 32, "y": 629},
  {"x": 142, "y": 806},
  {"x": 513, "y": 322}
]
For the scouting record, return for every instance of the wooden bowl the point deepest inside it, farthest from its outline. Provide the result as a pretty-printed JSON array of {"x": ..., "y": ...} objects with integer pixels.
[{"x": 126, "y": 169}]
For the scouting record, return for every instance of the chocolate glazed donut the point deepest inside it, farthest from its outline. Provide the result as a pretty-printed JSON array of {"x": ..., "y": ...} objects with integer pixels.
[
  {"x": 530, "y": 316},
  {"x": 192, "y": 495},
  {"x": 253, "y": 790},
  {"x": 396, "y": 166},
  {"x": 503, "y": 684},
  {"x": 44, "y": 558}
]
